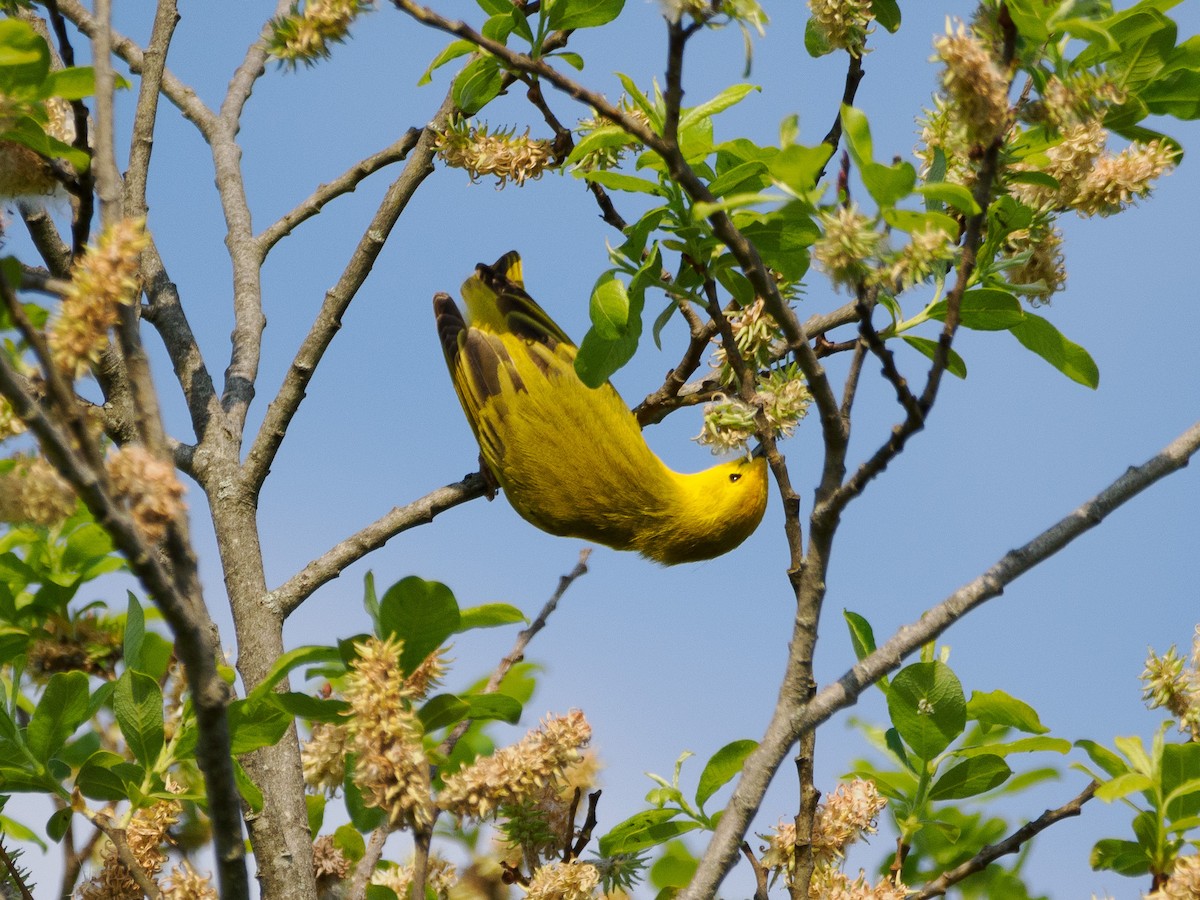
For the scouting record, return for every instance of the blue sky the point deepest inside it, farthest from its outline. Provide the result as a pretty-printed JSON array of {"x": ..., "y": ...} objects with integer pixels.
[{"x": 688, "y": 658}]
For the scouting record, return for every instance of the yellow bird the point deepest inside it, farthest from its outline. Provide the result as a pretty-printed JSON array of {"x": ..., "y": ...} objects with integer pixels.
[{"x": 571, "y": 459}]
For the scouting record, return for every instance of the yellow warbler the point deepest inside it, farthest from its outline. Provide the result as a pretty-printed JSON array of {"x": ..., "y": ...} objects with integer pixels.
[{"x": 570, "y": 458}]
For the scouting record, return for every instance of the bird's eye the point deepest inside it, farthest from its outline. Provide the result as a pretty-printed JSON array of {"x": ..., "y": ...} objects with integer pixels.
[{"x": 735, "y": 476}]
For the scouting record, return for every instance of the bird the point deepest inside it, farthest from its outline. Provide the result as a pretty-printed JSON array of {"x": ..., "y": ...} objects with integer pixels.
[{"x": 571, "y": 459}]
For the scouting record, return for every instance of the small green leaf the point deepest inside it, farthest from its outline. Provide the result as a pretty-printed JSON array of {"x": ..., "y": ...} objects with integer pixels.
[
  {"x": 1122, "y": 785},
  {"x": 61, "y": 709},
  {"x": 954, "y": 363},
  {"x": 916, "y": 222},
  {"x": 927, "y": 707},
  {"x": 489, "y": 615},
  {"x": 452, "y": 50},
  {"x": 732, "y": 95},
  {"x": 862, "y": 635},
  {"x": 998, "y": 709},
  {"x": 721, "y": 768},
  {"x": 247, "y": 788},
  {"x": 954, "y": 195},
  {"x": 1038, "y": 335},
  {"x": 315, "y": 806},
  {"x": 107, "y": 776},
  {"x": 1022, "y": 745},
  {"x": 477, "y": 85},
  {"x": 618, "y": 181},
  {"x": 888, "y": 185},
  {"x": 674, "y": 868},
  {"x": 797, "y": 167},
  {"x": 985, "y": 309},
  {"x": 135, "y": 632},
  {"x": 74, "y": 83},
  {"x": 574, "y": 60},
  {"x": 314, "y": 709},
  {"x": 610, "y": 307},
  {"x": 138, "y": 706},
  {"x": 442, "y": 711},
  {"x": 58, "y": 823},
  {"x": 1180, "y": 767},
  {"x": 1112, "y": 764},
  {"x": 255, "y": 723},
  {"x": 293, "y": 659},
  {"x": 497, "y": 706},
  {"x": 887, "y": 14},
  {"x": 971, "y": 778},
  {"x": 1123, "y": 857},
  {"x": 858, "y": 135},
  {"x": 644, "y": 829},
  {"x": 566, "y": 15},
  {"x": 421, "y": 613}
]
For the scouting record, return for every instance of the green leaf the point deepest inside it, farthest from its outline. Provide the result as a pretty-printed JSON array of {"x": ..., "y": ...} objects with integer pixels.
[
  {"x": 255, "y": 723},
  {"x": 1180, "y": 768},
  {"x": 971, "y": 778},
  {"x": 74, "y": 83},
  {"x": 453, "y": 50},
  {"x": 1112, "y": 764},
  {"x": 954, "y": 195},
  {"x": 247, "y": 788},
  {"x": 927, "y": 707},
  {"x": 1022, "y": 745},
  {"x": 477, "y": 85},
  {"x": 887, "y": 14},
  {"x": 293, "y": 659},
  {"x": 619, "y": 181},
  {"x": 135, "y": 632},
  {"x": 489, "y": 615},
  {"x": 370, "y": 598},
  {"x": 954, "y": 362},
  {"x": 497, "y": 706},
  {"x": 732, "y": 95},
  {"x": 108, "y": 776},
  {"x": 862, "y": 639},
  {"x": 1123, "y": 785},
  {"x": 998, "y": 709},
  {"x": 364, "y": 818},
  {"x": 888, "y": 185},
  {"x": 746, "y": 177},
  {"x": 62, "y": 709},
  {"x": 609, "y": 307},
  {"x": 603, "y": 138},
  {"x": 421, "y": 613},
  {"x": 1123, "y": 857},
  {"x": 58, "y": 823},
  {"x": 566, "y": 15},
  {"x": 24, "y": 58},
  {"x": 674, "y": 868},
  {"x": 138, "y": 706},
  {"x": 721, "y": 768},
  {"x": 797, "y": 167},
  {"x": 574, "y": 60},
  {"x": 858, "y": 135},
  {"x": 314, "y": 709},
  {"x": 644, "y": 829},
  {"x": 915, "y": 222},
  {"x": 815, "y": 41},
  {"x": 442, "y": 711},
  {"x": 315, "y": 806},
  {"x": 985, "y": 309},
  {"x": 1038, "y": 335}
]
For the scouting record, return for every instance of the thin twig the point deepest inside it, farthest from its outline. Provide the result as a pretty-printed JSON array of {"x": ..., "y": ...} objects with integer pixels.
[
  {"x": 343, "y": 184},
  {"x": 760, "y": 874},
  {"x": 366, "y": 866},
  {"x": 1010, "y": 844},
  {"x": 330, "y": 565},
  {"x": 589, "y": 824}
]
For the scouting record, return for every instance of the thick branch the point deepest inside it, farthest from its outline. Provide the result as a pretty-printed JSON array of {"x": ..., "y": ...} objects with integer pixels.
[
  {"x": 330, "y": 565},
  {"x": 791, "y": 719}
]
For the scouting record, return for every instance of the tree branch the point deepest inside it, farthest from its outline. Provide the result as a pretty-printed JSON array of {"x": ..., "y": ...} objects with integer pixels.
[
  {"x": 329, "y": 566},
  {"x": 343, "y": 184},
  {"x": 329, "y": 320},
  {"x": 792, "y": 718},
  {"x": 1010, "y": 844}
]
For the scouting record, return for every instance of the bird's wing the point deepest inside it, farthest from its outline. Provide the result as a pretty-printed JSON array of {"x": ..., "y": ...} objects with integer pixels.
[{"x": 497, "y": 302}]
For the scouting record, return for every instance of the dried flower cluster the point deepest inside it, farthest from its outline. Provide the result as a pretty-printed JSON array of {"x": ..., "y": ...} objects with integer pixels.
[
  {"x": 148, "y": 487},
  {"x": 573, "y": 880},
  {"x": 730, "y": 422},
  {"x": 1184, "y": 882},
  {"x": 10, "y": 423},
  {"x": 610, "y": 151},
  {"x": 754, "y": 330},
  {"x": 23, "y": 172},
  {"x": 975, "y": 87},
  {"x": 324, "y": 757},
  {"x": 385, "y": 734},
  {"x": 330, "y": 865},
  {"x": 505, "y": 154},
  {"x": 1173, "y": 684},
  {"x": 515, "y": 774},
  {"x": 145, "y": 833},
  {"x": 1116, "y": 181},
  {"x": 185, "y": 883},
  {"x": 926, "y": 255},
  {"x": 105, "y": 279},
  {"x": 850, "y": 812},
  {"x": 33, "y": 492},
  {"x": 843, "y": 24},
  {"x": 440, "y": 877},
  {"x": 1041, "y": 271},
  {"x": 306, "y": 35}
]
